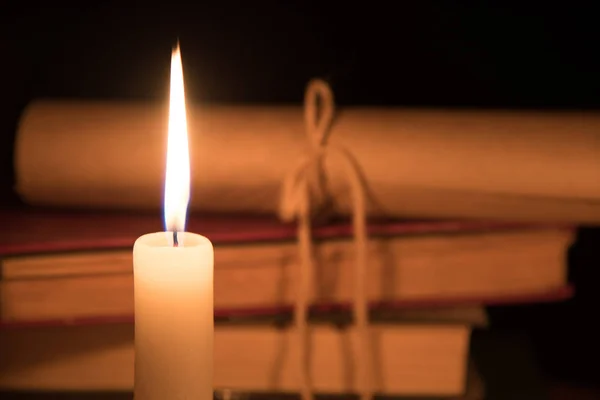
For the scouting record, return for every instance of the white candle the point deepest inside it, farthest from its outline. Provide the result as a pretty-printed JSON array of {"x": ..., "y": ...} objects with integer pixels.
[{"x": 173, "y": 275}]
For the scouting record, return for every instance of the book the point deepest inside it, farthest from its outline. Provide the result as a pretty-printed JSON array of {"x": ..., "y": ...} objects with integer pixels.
[
  {"x": 78, "y": 266},
  {"x": 415, "y": 355}
]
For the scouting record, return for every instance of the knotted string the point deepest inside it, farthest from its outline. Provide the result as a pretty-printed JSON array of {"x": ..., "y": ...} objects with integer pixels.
[{"x": 306, "y": 183}]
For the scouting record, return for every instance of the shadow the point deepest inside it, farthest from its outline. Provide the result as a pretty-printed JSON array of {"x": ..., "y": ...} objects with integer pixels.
[
  {"x": 327, "y": 273},
  {"x": 283, "y": 348},
  {"x": 348, "y": 358}
]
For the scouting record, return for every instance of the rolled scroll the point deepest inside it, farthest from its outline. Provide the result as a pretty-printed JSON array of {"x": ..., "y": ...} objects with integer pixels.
[{"x": 415, "y": 163}]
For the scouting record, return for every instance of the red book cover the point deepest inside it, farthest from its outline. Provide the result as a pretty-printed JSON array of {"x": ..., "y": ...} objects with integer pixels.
[{"x": 45, "y": 231}]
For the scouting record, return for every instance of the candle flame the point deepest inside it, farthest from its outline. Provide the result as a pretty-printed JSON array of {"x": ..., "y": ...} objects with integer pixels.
[{"x": 177, "y": 180}]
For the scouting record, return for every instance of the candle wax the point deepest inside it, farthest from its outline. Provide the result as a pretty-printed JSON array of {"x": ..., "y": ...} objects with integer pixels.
[{"x": 174, "y": 319}]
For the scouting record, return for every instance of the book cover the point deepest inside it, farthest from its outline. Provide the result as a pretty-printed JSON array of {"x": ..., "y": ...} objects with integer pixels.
[{"x": 51, "y": 230}]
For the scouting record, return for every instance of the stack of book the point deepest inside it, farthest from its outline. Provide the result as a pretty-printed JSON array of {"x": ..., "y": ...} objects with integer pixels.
[
  {"x": 66, "y": 298},
  {"x": 66, "y": 293}
]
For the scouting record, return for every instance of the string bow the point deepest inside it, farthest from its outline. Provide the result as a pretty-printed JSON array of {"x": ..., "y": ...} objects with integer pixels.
[{"x": 305, "y": 187}]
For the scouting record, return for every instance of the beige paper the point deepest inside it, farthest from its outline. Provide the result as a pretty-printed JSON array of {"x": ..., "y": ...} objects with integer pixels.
[{"x": 516, "y": 165}]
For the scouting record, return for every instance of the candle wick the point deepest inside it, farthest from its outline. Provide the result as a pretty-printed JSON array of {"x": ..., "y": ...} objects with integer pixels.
[{"x": 175, "y": 241}]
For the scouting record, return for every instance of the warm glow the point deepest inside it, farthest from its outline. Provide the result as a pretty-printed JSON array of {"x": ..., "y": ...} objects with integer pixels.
[{"x": 177, "y": 181}]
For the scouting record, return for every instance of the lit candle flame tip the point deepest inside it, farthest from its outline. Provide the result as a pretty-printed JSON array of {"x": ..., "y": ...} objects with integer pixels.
[{"x": 177, "y": 180}]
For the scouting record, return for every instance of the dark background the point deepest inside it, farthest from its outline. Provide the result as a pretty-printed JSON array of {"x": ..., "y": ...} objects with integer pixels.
[
  {"x": 444, "y": 54},
  {"x": 417, "y": 53}
]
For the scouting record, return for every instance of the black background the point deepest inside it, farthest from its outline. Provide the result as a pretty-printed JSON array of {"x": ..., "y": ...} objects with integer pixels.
[
  {"x": 449, "y": 54},
  {"x": 442, "y": 54}
]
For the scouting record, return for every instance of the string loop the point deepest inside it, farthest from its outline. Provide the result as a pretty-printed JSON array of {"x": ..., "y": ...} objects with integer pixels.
[{"x": 318, "y": 113}]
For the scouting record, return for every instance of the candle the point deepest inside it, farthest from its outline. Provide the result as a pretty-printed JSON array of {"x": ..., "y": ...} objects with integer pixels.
[{"x": 173, "y": 283}]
